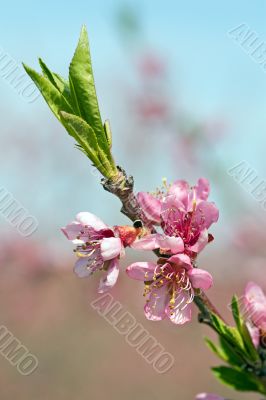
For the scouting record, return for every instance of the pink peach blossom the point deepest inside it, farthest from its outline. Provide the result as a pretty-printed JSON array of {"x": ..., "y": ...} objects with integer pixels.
[
  {"x": 99, "y": 247},
  {"x": 255, "y": 311},
  {"x": 183, "y": 213},
  {"x": 170, "y": 286},
  {"x": 254, "y": 333}
]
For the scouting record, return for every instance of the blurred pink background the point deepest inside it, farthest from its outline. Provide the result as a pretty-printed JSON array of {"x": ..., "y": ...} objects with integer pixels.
[{"x": 184, "y": 101}]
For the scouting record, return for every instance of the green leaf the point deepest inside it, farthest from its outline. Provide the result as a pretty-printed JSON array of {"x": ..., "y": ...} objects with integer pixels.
[
  {"x": 251, "y": 349},
  {"x": 108, "y": 133},
  {"x": 235, "y": 343},
  {"x": 83, "y": 90},
  {"x": 48, "y": 73},
  {"x": 239, "y": 380},
  {"x": 243, "y": 330},
  {"x": 225, "y": 352},
  {"x": 83, "y": 134},
  {"x": 87, "y": 140},
  {"x": 236, "y": 312},
  {"x": 234, "y": 356},
  {"x": 60, "y": 83},
  {"x": 63, "y": 86},
  {"x": 75, "y": 105},
  {"x": 55, "y": 100},
  {"x": 218, "y": 351},
  {"x": 230, "y": 333}
]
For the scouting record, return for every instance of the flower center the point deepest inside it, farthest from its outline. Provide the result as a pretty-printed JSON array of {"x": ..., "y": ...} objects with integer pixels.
[{"x": 176, "y": 281}]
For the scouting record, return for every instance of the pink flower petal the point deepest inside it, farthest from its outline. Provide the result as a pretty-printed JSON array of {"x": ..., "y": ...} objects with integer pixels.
[
  {"x": 110, "y": 279},
  {"x": 150, "y": 206},
  {"x": 86, "y": 218},
  {"x": 110, "y": 248},
  {"x": 180, "y": 189},
  {"x": 181, "y": 313},
  {"x": 82, "y": 267},
  {"x": 202, "y": 189},
  {"x": 255, "y": 303},
  {"x": 142, "y": 271},
  {"x": 148, "y": 242},
  {"x": 174, "y": 244},
  {"x": 72, "y": 230},
  {"x": 254, "y": 334},
  {"x": 201, "y": 242},
  {"x": 254, "y": 293},
  {"x": 157, "y": 240},
  {"x": 181, "y": 260},
  {"x": 206, "y": 214},
  {"x": 171, "y": 207},
  {"x": 200, "y": 279},
  {"x": 257, "y": 314},
  {"x": 154, "y": 309}
]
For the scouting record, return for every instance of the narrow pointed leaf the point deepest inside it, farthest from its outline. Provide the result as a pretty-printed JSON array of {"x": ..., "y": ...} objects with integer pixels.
[
  {"x": 236, "y": 312},
  {"x": 243, "y": 330},
  {"x": 47, "y": 73},
  {"x": 55, "y": 100},
  {"x": 216, "y": 350},
  {"x": 233, "y": 338},
  {"x": 83, "y": 90},
  {"x": 108, "y": 133},
  {"x": 84, "y": 134},
  {"x": 75, "y": 104},
  {"x": 233, "y": 355},
  {"x": 60, "y": 83},
  {"x": 225, "y": 352},
  {"x": 230, "y": 333},
  {"x": 106, "y": 163}
]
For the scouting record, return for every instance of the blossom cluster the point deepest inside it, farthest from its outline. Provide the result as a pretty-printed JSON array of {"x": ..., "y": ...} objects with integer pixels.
[{"x": 180, "y": 216}]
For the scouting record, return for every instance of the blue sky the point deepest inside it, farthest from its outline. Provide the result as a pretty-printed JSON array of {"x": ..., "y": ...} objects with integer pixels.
[{"x": 213, "y": 74}]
